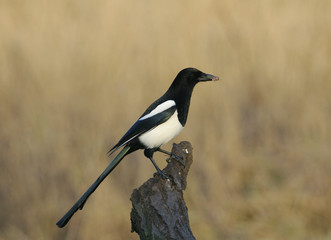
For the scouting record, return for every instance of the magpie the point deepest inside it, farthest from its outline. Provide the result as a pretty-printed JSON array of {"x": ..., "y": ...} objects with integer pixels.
[{"x": 162, "y": 121}]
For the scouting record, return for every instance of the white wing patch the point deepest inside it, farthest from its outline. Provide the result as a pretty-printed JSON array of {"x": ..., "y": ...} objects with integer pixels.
[{"x": 159, "y": 108}]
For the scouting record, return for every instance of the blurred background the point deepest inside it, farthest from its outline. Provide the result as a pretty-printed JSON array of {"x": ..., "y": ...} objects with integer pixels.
[{"x": 74, "y": 76}]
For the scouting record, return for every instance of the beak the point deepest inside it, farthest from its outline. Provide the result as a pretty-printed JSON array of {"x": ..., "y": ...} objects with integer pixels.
[{"x": 208, "y": 77}]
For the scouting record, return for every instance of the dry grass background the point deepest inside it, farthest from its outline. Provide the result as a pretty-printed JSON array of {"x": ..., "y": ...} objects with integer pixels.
[{"x": 74, "y": 75}]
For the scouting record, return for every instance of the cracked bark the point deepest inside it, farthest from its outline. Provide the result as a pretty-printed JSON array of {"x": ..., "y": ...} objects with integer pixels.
[{"x": 158, "y": 207}]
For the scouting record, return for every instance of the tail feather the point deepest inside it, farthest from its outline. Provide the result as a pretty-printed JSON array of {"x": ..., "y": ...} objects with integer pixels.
[{"x": 80, "y": 203}]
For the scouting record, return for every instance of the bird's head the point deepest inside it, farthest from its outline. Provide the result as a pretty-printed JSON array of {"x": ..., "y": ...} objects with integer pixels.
[{"x": 192, "y": 76}]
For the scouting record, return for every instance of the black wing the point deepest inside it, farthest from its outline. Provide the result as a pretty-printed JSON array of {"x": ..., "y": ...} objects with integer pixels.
[{"x": 142, "y": 126}]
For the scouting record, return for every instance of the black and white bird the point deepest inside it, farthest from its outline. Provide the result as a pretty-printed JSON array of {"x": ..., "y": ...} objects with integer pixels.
[{"x": 163, "y": 120}]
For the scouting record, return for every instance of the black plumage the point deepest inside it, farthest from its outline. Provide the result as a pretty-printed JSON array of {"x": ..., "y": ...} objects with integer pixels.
[{"x": 161, "y": 122}]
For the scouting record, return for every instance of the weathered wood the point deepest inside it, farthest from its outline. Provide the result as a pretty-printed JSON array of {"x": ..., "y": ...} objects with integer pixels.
[{"x": 158, "y": 207}]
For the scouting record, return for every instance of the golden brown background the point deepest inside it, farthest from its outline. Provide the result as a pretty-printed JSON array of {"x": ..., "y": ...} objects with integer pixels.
[{"x": 74, "y": 76}]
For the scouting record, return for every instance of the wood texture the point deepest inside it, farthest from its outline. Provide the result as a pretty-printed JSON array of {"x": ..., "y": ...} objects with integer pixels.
[{"x": 158, "y": 207}]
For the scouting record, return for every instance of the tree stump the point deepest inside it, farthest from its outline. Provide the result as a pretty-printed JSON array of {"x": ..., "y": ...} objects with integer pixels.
[{"x": 158, "y": 207}]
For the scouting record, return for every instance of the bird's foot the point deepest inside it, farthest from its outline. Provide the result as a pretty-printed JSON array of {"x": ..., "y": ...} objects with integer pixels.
[
  {"x": 163, "y": 175},
  {"x": 177, "y": 158},
  {"x": 173, "y": 155}
]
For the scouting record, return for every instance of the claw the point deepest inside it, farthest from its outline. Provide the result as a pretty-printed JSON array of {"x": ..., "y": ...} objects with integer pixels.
[
  {"x": 172, "y": 155},
  {"x": 178, "y": 158},
  {"x": 163, "y": 175}
]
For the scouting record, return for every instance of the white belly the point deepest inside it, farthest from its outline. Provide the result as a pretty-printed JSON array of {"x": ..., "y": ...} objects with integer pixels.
[{"x": 162, "y": 134}]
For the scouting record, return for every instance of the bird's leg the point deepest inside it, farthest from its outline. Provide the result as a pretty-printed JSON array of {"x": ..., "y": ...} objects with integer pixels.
[
  {"x": 149, "y": 154},
  {"x": 171, "y": 154}
]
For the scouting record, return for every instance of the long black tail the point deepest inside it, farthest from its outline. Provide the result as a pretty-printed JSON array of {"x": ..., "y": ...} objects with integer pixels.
[{"x": 80, "y": 203}]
